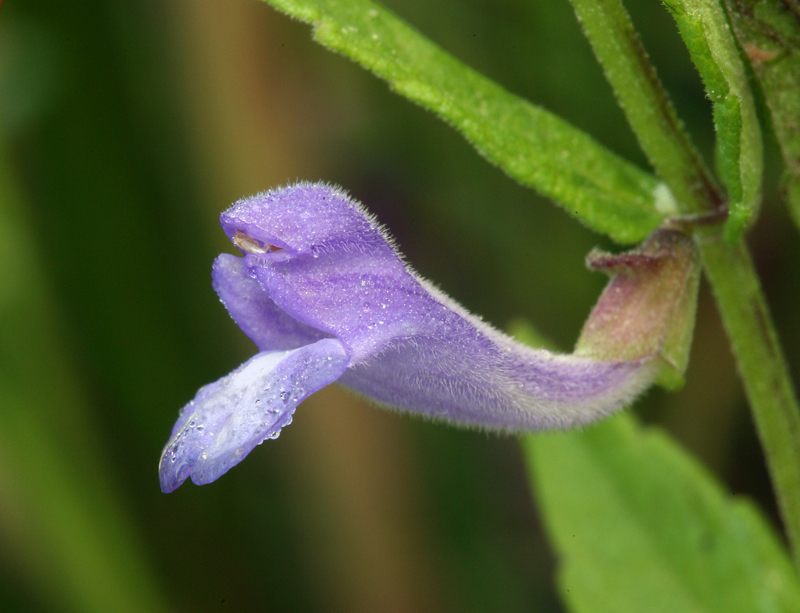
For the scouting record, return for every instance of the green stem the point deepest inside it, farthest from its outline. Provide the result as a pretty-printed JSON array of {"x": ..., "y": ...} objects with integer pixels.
[
  {"x": 734, "y": 281},
  {"x": 646, "y": 104},
  {"x": 763, "y": 369}
]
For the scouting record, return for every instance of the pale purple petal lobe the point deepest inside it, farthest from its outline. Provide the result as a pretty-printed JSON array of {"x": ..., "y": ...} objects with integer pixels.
[
  {"x": 268, "y": 326},
  {"x": 227, "y": 419}
]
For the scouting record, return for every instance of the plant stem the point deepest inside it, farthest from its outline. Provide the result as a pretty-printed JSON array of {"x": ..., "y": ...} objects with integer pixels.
[
  {"x": 763, "y": 369},
  {"x": 728, "y": 267},
  {"x": 646, "y": 104}
]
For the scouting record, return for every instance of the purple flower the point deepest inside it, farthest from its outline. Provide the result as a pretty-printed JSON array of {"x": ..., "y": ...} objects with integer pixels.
[{"x": 325, "y": 297}]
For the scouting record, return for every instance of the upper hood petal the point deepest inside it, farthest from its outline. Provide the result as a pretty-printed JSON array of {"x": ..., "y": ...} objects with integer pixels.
[{"x": 305, "y": 219}]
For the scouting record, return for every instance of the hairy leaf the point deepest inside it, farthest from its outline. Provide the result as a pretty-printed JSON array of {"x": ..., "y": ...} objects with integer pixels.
[
  {"x": 532, "y": 145},
  {"x": 640, "y": 526}
]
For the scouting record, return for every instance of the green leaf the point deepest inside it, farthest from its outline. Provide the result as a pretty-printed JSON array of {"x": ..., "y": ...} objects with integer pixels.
[
  {"x": 769, "y": 33},
  {"x": 533, "y": 146},
  {"x": 639, "y": 525},
  {"x": 704, "y": 26}
]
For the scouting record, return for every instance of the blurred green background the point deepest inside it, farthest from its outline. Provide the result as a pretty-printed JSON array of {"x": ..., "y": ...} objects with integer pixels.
[{"x": 125, "y": 128}]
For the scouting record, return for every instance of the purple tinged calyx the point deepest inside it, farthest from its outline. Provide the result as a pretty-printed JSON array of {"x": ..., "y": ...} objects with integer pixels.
[
  {"x": 647, "y": 310},
  {"x": 325, "y": 297}
]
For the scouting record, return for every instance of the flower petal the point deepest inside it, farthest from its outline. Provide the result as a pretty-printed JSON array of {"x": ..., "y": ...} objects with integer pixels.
[
  {"x": 416, "y": 349},
  {"x": 325, "y": 296},
  {"x": 269, "y": 327},
  {"x": 495, "y": 383},
  {"x": 366, "y": 300},
  {"x": 305, "y": 218},
  {"x": 411, "y": 346},
  {"x": 227, "y": 419}
]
